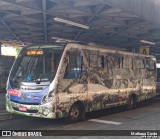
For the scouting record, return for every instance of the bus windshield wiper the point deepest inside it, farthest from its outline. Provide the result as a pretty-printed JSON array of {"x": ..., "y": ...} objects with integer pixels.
[{"x": 31, "y": 63}]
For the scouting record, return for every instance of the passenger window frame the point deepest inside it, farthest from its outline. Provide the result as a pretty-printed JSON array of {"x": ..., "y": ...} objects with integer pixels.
[
  {"x": 114, "y": 58},
  {"x": 73, "y": 71},
  {"x": 148, "y": 67},
  {"x": 143, "y": 61},
  {"x": 129, "y": 59}
]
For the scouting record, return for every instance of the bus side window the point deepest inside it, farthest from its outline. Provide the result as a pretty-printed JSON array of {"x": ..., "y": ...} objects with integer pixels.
[
  {"x": 150, "y": 64},
  {"x": 139, "y": 63},
  {"x": 113, "y": 61},
  {"x": 74, "y": 66},
  {"x": 127, "y": 63}
]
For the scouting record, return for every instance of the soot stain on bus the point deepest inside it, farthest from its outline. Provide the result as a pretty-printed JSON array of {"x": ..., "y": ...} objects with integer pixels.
[{"x": 89, "y": 79}]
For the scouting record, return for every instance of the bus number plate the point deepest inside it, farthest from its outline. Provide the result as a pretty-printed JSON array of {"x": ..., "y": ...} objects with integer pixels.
[{"x": 21, "y": 108}]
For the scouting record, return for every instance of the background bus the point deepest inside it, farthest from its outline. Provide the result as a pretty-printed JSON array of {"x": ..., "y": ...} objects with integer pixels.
[{"x": 53, "y": 81}]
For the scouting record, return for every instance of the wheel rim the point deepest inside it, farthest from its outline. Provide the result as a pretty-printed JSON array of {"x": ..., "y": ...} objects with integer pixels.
[{"x": 74, "y": 113}]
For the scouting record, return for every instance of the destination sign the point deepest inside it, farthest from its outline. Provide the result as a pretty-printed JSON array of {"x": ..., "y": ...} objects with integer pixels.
[{"x": 34, "y": 52}]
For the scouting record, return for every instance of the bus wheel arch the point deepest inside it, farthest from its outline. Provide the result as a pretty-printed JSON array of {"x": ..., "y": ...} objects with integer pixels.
[
  {"x": 132, "y": 101},
  {"x": 76, "y": 112}
]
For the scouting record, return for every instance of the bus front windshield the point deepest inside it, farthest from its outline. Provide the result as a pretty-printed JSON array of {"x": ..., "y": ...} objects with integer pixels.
[{"x": 36, "y": 64}]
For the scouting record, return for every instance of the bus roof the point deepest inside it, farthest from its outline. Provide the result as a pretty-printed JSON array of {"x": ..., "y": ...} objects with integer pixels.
[
  {"x": 103, "y": 49},
  {"x": 94, "y": 47}
]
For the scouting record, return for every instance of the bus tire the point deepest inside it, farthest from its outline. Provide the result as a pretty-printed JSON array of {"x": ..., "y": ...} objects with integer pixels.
[
  {"x": 131, "y": 102},
  {"x": 75, "y": 114}
]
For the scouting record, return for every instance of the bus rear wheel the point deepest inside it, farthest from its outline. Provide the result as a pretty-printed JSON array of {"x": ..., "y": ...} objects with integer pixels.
[
  {"x": 75, "y": 114},
  {"x": 131, "y": 102}
]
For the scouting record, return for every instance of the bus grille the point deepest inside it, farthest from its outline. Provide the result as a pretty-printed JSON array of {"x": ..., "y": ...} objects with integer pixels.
[
  {"x": 27, "y": 103},
  {"x": 28, "y": 111}
]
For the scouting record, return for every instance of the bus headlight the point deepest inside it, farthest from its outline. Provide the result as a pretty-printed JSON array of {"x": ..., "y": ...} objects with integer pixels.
[{"x": 48, "y": 98}]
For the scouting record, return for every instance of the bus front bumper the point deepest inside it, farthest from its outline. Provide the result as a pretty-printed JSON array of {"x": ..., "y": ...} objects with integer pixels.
[{"x": 42, "y": 111}]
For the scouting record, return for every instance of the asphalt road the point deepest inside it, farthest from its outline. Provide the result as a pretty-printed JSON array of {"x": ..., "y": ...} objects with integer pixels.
[{"x": 145, "y": 117}]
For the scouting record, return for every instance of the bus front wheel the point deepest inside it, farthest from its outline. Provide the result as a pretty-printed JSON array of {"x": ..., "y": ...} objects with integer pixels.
[{"x": 75, "y": 114}]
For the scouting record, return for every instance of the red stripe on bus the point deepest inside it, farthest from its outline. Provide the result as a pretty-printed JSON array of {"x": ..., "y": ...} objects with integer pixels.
[{"x": 13, "y": 92}]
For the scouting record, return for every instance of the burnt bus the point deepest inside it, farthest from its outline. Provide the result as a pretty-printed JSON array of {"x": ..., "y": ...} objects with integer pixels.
[
  {"x": 53, "y": 81},
  {"x": 5, "y": 66}
]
